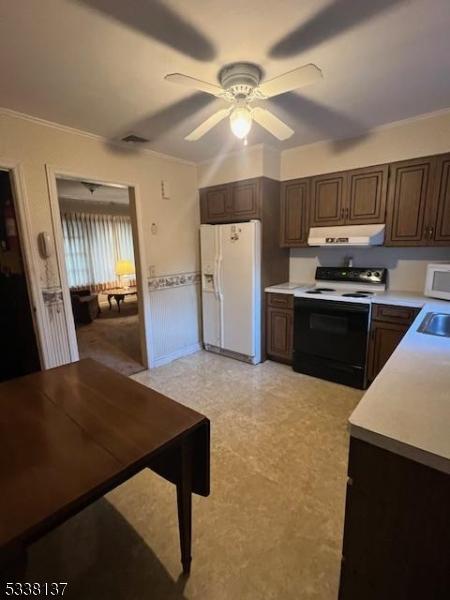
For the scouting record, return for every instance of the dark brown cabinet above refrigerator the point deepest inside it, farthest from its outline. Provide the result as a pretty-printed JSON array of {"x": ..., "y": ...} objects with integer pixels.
[{"x": 232, "y": 202}]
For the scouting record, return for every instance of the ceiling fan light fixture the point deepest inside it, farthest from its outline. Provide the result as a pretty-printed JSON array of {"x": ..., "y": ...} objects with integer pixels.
[{"x": 241, "y": 121}]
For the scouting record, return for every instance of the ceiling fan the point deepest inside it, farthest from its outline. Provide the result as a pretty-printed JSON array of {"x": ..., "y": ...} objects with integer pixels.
[{"x": 240, "y": 85}]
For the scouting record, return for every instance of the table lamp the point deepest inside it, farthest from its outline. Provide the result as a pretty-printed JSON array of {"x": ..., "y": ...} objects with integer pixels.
[{"x": 124, "y": 268}]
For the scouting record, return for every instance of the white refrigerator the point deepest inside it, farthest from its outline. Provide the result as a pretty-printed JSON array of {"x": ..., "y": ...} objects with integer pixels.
[{"x": 231, "y": 289}]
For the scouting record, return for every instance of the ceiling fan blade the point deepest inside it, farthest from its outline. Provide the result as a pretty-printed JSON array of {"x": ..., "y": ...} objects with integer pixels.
[
  {"x": 213, "y": 120},
  {"x": 273, "y": 124},
  {"x": 192, "y": 82},
  {"x": 291, "y": 81}
]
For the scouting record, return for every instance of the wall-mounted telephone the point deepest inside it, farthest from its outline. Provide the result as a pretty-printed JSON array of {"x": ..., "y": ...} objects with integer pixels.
[{"x": 45, "y": 244}]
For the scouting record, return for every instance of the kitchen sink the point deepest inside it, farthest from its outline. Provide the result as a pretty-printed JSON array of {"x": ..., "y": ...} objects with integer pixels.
[{"x": 436, "y": 324}]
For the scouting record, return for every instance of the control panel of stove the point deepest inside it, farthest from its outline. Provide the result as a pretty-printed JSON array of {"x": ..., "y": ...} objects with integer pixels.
[{"x": 352, "y": 274}]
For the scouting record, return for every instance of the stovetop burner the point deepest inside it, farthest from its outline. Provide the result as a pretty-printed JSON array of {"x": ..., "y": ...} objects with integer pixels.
[
  {"x": 356, "y": 295},
  {"x": 320, "y": 290}
]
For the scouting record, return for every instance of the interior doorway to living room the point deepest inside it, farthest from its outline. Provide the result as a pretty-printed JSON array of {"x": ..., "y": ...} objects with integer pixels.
[{"x": 99, "y": 253}]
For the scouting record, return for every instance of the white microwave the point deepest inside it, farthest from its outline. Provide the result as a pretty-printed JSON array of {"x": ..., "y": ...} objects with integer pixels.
[{"x": 437, "y": 283}]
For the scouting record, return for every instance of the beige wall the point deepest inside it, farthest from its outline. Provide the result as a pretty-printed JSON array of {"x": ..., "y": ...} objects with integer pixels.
[
  {"x": 33, "y": 144},
  {"x": 397, "y": 141},
  {"x": 36, "y": 145},
  {"x": 253, "y": 161},
  {"x": 406, "y": 266}
]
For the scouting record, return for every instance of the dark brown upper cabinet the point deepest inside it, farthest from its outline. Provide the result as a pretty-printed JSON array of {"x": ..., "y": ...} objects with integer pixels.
[
  {"x": 366, "y": 198},
  {"x": 214, "y": 204},
  {"x": 356, "y": 197},
  {"x": 231, "y": 202},
  {"x": 294, "y": 212},
  {"x": 419, "y": 202},
  {"x": 410, "y": 201},
  {"x": 244, "y": 199},
  {"x": 440, "y": 232},
  {"x": 328, "y": 194}
]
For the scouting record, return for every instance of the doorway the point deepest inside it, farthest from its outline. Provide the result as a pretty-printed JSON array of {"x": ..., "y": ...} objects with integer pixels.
[
  {"x": 99, "y": 247},
  {"x": 18, "y": 341}
]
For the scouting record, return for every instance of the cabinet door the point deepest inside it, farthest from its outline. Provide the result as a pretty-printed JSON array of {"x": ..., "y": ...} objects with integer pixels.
[
  {"x": 384, "y": 339},
  {"x": 214, "y": 204},
  {"x": 294, "y": 212},
  {"x": 409, "y": 202},
  {"x": 244, "y": 200},
  {"x": 441, "y": 224},
  {"x": 367, "y": 192},
  {"x": 327, "y": 201},
  {"x": 280, "y": 326}
]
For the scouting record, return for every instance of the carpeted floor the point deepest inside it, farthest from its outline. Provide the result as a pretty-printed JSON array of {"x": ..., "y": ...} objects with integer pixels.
[
  {"x": 272, "y": 527},
  {"x": 113, "y": 338}
]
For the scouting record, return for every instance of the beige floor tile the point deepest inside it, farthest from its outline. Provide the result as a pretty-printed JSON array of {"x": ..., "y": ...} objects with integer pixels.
[{"x": 272, "y": 527}]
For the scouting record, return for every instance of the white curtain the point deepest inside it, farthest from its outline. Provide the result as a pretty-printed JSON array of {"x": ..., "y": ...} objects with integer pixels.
[{"x": 92, "y": 245}]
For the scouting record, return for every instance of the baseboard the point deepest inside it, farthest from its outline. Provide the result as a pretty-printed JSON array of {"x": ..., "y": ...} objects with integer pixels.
[{"x": 164, "y": 360}]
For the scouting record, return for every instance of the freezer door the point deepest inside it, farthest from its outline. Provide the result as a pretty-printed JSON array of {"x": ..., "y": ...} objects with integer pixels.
[
  {"x": 211, "y": 302},
  {"x": 239, "y": 287}
]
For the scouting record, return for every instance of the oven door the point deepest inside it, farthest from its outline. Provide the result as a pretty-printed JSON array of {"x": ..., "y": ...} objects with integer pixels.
[{"x": 330, "y": 339}]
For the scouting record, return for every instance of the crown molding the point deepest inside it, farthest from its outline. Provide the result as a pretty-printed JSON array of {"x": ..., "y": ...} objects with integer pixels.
[{"x": 87, "y": 134}]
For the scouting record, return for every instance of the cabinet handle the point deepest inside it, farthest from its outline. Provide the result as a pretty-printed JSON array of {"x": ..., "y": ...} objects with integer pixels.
[
  {"x": 426, "y": 232},
  {"x": 350, "y": 481},
  {"x": 431, "y": 233}
]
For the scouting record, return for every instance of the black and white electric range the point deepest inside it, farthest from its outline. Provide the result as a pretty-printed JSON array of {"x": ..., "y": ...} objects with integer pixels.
[{"x": 331, "y": 323}]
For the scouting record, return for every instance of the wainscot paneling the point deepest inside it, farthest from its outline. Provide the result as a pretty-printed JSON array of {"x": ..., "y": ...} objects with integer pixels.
[
  {"x": 58, "y": 352},
  {"x": 175, "y": 316}
]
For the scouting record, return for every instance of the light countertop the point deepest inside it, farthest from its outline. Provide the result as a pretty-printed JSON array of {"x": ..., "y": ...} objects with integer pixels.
[
  {"x": 288, "y": 287},
  {"x": 407, "y": 408}
]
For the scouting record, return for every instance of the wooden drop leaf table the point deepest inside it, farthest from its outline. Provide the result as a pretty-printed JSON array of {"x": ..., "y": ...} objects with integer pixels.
[{"x": 71, "y": 434}]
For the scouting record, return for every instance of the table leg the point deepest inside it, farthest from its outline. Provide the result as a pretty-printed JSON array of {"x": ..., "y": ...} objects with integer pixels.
[
  {"x": 119, "y": 299},
  {"x": 109, "y": 302},
  {"x": 184, "y": 501}
]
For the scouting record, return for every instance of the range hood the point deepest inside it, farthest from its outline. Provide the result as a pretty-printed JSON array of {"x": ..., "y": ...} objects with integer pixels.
[{"x": 347, "y": 235}]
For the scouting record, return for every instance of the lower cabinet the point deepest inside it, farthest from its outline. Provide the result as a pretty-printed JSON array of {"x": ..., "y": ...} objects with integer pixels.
[
  {"x": 397, "y": 528},
  {"x": 279, "y": 327},
  {"x": 389, "y": 325}
]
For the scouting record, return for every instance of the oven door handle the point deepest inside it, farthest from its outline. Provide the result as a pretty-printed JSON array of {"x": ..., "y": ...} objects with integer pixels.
[{"x": 332, "y": 305}]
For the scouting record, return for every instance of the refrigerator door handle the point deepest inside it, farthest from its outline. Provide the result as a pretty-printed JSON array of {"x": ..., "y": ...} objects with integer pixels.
[
  {"x": 216, "y": 278},
  {"x": 219, "y": 285}
]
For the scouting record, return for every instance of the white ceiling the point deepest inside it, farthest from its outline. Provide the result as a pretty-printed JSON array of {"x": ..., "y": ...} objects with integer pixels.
[
  {"x": 98, "y": 65},
  {"x": 75, "y": 190}
]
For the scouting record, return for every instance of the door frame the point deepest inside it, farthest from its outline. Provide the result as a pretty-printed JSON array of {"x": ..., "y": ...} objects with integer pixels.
[
  {"x": 29, "y": 254},
  {"x": 53, "y": 173}
]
